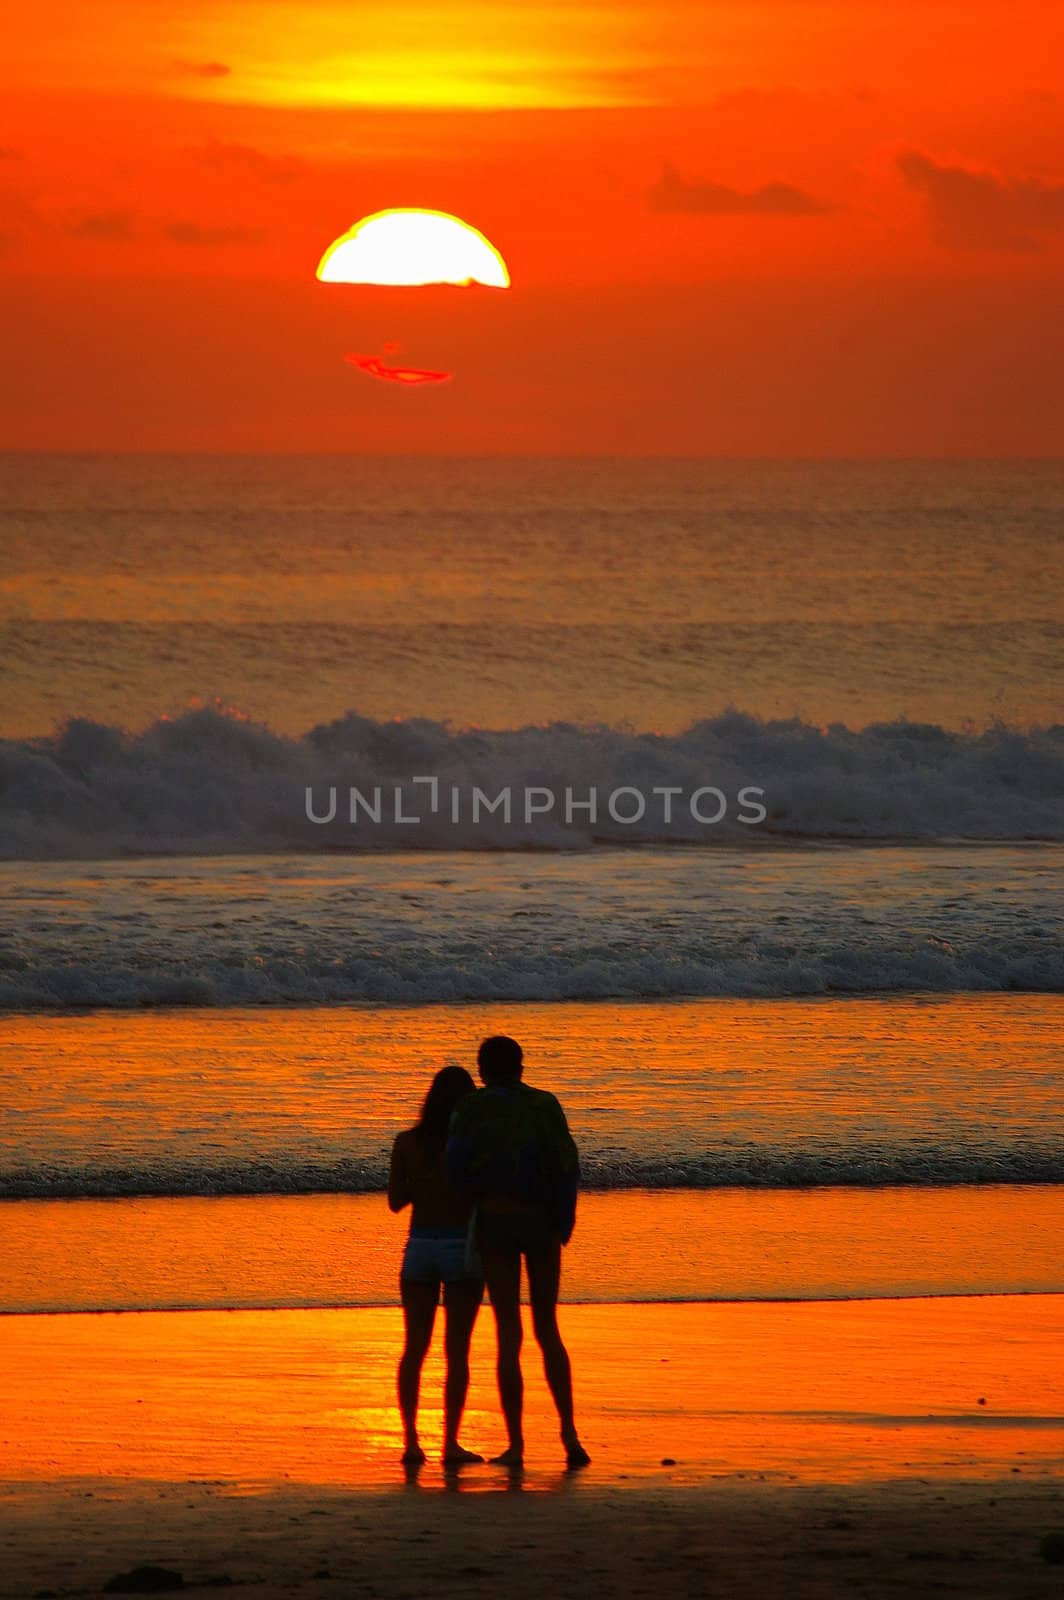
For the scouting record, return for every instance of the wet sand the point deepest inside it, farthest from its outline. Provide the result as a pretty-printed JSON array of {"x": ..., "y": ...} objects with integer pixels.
[{"x": 813, "y": 1449}]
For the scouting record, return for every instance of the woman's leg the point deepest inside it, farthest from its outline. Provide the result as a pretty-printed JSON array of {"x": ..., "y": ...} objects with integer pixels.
[
  {"x": 419, "y": 1315},
  {"x": 461, "y": 1303}
]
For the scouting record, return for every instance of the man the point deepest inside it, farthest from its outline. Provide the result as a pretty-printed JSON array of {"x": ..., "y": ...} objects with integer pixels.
[{"x": 510, "y": 1149}]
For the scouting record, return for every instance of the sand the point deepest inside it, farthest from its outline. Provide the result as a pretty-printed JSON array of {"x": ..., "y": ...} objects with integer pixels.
[
  {"x": 817, "y": 1449},
  {"x": 727, "y": 1539}
]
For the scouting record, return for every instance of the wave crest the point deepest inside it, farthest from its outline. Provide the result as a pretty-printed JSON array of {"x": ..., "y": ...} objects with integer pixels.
[
  {"x": 212, "y": 782},
  {"x": 871, "y": 1167}
]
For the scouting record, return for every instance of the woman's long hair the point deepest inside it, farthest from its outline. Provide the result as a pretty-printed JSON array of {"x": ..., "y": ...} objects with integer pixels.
[{"x": 450, "y": 1085}]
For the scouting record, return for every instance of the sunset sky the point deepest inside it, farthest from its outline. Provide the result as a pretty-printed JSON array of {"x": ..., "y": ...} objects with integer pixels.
[{"x": 823, "y": 227}]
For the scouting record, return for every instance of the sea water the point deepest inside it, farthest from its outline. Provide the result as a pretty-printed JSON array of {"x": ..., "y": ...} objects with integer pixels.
[{"x": 213, "y": 1000}]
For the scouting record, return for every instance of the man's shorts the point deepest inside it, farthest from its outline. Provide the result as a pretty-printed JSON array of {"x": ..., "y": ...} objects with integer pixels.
[{"x": 515, "y": 1232}]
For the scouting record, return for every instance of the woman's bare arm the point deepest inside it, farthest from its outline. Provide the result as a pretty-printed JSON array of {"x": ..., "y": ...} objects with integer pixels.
[{"x": 399, "y": 1194}]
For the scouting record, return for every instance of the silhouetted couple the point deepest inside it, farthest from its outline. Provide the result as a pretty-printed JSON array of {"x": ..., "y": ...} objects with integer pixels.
[{"x": 492, "y": 1176}]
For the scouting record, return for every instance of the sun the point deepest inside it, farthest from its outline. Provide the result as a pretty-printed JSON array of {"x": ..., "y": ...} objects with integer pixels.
[{"x": 410, "y": 246}]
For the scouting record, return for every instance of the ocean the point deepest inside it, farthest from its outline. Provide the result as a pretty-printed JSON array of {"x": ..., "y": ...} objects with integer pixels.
[{"x": 773, "y": 897}]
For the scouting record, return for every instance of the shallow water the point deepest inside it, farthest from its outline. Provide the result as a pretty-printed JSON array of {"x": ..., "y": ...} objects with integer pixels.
[
  {"x": 603, "y": 924},
  {"x": 666, "y": 1095},
  {"x": 637, "y": 1246}
]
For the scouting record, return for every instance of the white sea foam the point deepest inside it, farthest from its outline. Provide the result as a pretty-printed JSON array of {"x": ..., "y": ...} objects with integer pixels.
[
  {"x": 211, "y": 783},
  {"x": 419, "y": 976},
  {"x": 799, "y": 918}
]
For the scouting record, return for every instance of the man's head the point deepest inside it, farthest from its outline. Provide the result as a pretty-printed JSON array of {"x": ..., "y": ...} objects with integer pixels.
[{"x": 499, "y": 1060}]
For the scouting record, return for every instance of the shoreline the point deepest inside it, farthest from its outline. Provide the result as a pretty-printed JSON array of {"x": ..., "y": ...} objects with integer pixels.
[{"x": 678, "y": 1301}]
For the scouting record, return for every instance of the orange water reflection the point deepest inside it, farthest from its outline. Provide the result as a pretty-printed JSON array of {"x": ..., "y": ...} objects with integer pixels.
[
  {"x": 264, "y": 1097},
  {"x": 337, "y": 1250},
  {"x": 880, "y": 1389}
]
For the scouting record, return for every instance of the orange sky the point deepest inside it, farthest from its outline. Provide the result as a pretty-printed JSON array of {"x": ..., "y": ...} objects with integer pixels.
[{"x": 775, "y": 226}]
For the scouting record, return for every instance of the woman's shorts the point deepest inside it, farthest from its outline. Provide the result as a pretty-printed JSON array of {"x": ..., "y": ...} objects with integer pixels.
[{"x": 439, "y": 1259}]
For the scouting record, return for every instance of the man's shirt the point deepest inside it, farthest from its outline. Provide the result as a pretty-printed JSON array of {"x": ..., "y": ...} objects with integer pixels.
[{"x": 513, "y": 1140}]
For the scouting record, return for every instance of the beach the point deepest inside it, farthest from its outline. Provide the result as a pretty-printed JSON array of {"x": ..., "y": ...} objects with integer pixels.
[{"x": 819, "y": 1449}]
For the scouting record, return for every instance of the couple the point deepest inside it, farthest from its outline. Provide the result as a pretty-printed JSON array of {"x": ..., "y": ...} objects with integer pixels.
[{"x": 492, "y": 1176}]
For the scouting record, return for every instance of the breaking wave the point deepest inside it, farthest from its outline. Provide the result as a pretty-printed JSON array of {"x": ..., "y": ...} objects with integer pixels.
[
  {"x": 419, "y": 976},
  {"x": 210, "y": 782},
  {"x": 874, "y": 1167}
]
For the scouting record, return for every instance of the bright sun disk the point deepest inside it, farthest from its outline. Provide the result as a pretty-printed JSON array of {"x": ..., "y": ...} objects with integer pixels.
[{"x": 409, "y": 246}]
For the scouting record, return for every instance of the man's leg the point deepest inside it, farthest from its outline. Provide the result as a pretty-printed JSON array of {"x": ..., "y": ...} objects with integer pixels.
[
  {"x": 544, "y": 1276},
  {"x": 419, "y": 1314},
  {"x": 502, "y": 1274}
]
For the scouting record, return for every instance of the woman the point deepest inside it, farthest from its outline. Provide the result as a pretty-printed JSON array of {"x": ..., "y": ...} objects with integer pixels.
[{"x": 435, "y": 1253}]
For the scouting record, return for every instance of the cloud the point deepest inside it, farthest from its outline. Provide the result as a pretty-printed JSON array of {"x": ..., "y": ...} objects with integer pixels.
[
  {"x": 115, "y": 225},
  {"x": 198, "y": 233},
  {"x": 246, "y": 159},
  {"x": 203, "y": 69},
  {"x": 978, "y": 210},
  {"x": 673, "y": 193}
]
